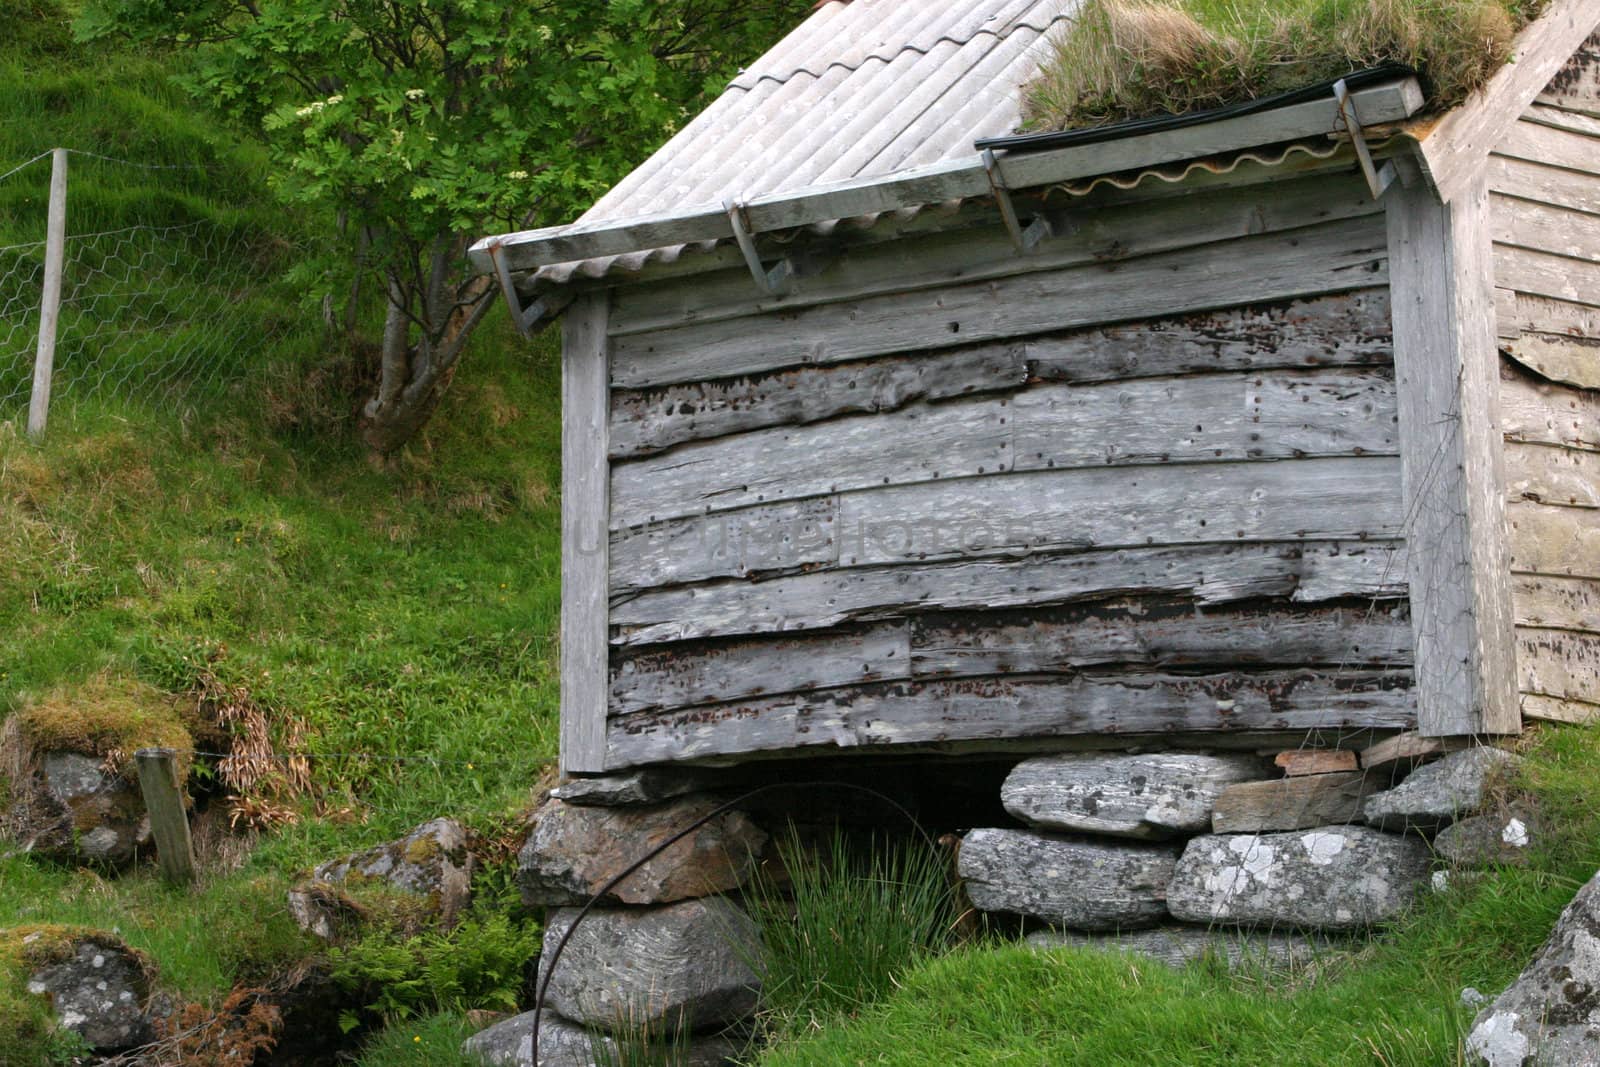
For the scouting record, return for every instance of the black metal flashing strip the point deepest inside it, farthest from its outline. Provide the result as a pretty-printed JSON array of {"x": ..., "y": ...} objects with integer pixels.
[{"x": 1024, "y": 142}]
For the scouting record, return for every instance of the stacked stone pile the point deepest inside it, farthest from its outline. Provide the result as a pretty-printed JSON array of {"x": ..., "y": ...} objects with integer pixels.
[
  {"x": 669, "y": 953},
  {"x": 1156, "y": 853}
]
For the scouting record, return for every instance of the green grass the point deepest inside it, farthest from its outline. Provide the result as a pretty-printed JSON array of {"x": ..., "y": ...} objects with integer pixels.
[
  {"x": 1126, "y": 59},
  {"x": 1396, "y": 1002}
]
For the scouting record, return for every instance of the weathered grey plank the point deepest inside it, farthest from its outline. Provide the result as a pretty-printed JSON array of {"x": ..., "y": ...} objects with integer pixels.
[
  {"x": 1333, "y": 330},
  {"x": 1577, "y": 86},
  {"x": 676, "y": 676},
  {"x": 752, "y": 541},
  {"x": 1454, "y": 148},
  {"x": 1572, "y": 281},
  {"x": 1535, "y": 412},
  {"x": 584, "y": 351},
  {"x": 1554, "y": 709},
  {"x": 1557, "y": 603},
  {"x": 1525, "y": 180},
  {"x": 1550, "y": 474},
  {"x": 1547, "y": 227},
  {"x": 1315, "y": 260},
  {"x": 1161, "y": 634},
  {"x": 1560, "y": 542},
  {"x": 1447, "y": 373},
  {"x": 920, "y": 443},
  {"x": 1537, "y": 143},
  {"x": 650, "y": 420},
  {"x": 1269, "y": 415},
  {"x": 940, "y": 260},
  {"x": 1209, "y": 574},
  {"x": 1313, "y": 499},
  {"x": 1520, "y": 313},
  {"x": 1005, "y": 709},
  {"x": 1570, "y": 360},
  {"x": 1559, "y": 663}
]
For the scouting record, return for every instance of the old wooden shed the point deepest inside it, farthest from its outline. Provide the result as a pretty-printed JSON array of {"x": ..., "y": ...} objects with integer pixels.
[{"x": 1211, "y": 430}]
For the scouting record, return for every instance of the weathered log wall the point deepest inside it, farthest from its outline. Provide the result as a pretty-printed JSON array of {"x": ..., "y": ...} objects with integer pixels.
[
  {"x": 1546, "y": 183},
  {"x": 1145, "y": 480}
]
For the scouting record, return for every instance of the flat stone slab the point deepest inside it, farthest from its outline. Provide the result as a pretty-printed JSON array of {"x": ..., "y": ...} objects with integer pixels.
[
  {"x": 1551, "y": 1013},
  {"x": 1436, "y": 794},
  {"x": 1298, "y": 803},
  {"x": 564, "y": 1043},
  {"x": 1145, "y": 796},
  {"x": 1489, "y": 840},
  {"x": 574, "y": 850},
  {"x": 648, "y": 786},
  {"x": 1073, "y": 882},
  {"x": 686, "y": 965},
  {"x": 1179, "y": 946},
  {"x": 1332, "y": 878}
]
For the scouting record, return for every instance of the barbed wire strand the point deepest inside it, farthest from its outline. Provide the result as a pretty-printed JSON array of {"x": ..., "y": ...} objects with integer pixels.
[{"x": 24, "y": 166}]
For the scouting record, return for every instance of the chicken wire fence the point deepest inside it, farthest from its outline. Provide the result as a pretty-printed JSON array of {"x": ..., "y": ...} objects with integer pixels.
[{"x": 162, "y": 313}]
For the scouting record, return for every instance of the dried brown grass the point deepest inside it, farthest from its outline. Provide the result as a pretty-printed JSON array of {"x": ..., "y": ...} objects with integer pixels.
[{"x": 1127, "y": 59}]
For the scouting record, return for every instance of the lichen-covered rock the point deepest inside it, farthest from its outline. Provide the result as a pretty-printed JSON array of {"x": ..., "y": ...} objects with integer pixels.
[
  {"x": 647, "y": 786},
  {"x": 564, "y": 1043},
  {"x": 1436, "y": 794},
  {"x": 1331, "y": 878},
  {"x": 1551, "y": 1013},
  {"x": 1488, "y": 840},
  {"x": 1154, "y": 795},
  {"x": 73, "y": 809},
  {"x": 1071, "y": 882},
  {"x": 1177, "y": 946},
  {"x": 432, "y": 862},
  {"x": 97, "y": 987},
  {"x": 573, "y": 850},
  {"x": 690, "y": 965}
]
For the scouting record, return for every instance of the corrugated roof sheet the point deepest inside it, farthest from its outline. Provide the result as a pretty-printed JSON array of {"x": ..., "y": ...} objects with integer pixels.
[{"x": 859, "y": 89}]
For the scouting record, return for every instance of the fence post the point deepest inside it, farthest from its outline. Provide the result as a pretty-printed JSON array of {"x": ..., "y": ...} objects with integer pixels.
[
  {"x": 50, "y": 306},
  {"x": 158, "y": 781}
]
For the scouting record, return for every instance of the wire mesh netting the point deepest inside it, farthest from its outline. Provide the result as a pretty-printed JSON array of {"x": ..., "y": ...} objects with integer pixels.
[{"x": 158, "y": 314}]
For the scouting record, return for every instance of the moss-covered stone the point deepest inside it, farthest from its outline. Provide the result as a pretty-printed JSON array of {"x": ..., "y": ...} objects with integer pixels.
[
  {"x": 108, "y": 718},
  {"x": 36, "y": 1018}
]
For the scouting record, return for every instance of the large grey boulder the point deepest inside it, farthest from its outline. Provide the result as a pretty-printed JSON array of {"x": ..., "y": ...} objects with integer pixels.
[
  {"x": 74, "y": 809},
  {"x": 1488, "y": 840},
  {"x": 647, "y": 786},
  {"x": 98, "y": 988},
  {"x": 574, "y": 850},
  {"x": 1551, "y": 1013},
  {"x": 1155, "y": 795},
  {"x": 1331, "y": 878},
  {"x": 1071, "y": 882},
  {"x": 431, "y": 862},
  {"x": 564, "y": 1043},
  {"x": 1178, "y": 946},
  {"x": 687, "y": 965},
  {"x": 1437, "y": 794}
]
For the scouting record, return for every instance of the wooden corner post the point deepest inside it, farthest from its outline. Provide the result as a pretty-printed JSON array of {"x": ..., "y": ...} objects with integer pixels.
[
  {"x": 169, "y": 822},
  {"x": 585, "y": 522},
  {"x": 1447, "y": 377},
  {"x": 55, "y": 254}
]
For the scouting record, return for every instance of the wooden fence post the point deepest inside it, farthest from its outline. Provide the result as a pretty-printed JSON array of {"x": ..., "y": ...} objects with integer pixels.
[
  {"x": 55, "y": 249},
  {"x": 158, "y": 780}
]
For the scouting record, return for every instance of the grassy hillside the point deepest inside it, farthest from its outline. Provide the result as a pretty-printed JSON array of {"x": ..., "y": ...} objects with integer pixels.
[{"x": 400, "y": 619}]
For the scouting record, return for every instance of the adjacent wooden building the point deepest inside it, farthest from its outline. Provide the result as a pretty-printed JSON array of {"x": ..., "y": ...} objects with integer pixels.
[{"x": 1280, "y": 423}]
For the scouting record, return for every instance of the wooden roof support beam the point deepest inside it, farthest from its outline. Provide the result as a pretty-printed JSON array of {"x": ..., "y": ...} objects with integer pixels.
[
  {"x": 1447, "y": 378},
  {"x": 1455, "y": 149}
]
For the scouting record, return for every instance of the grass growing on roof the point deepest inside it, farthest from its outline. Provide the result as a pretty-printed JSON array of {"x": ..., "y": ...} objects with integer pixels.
[{"x": 1128, "y": 59}]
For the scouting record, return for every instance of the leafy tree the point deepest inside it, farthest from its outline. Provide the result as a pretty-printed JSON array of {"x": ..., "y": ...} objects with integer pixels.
[{"x": 423, "y": 124}]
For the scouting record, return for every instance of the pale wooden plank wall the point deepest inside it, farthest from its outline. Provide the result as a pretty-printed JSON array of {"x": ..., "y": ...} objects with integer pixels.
[
  {"x": 1144, "y": 481},
  {"x": 1545, "y": 178}
]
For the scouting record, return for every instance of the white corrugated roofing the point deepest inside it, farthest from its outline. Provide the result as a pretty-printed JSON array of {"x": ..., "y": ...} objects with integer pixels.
[{"x": 860, "y": 89}]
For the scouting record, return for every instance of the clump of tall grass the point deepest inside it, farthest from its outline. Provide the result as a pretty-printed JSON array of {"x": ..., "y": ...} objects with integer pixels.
[
  {"x": 853, "y": 918},
  {"x": 1127, "y": 59}
]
